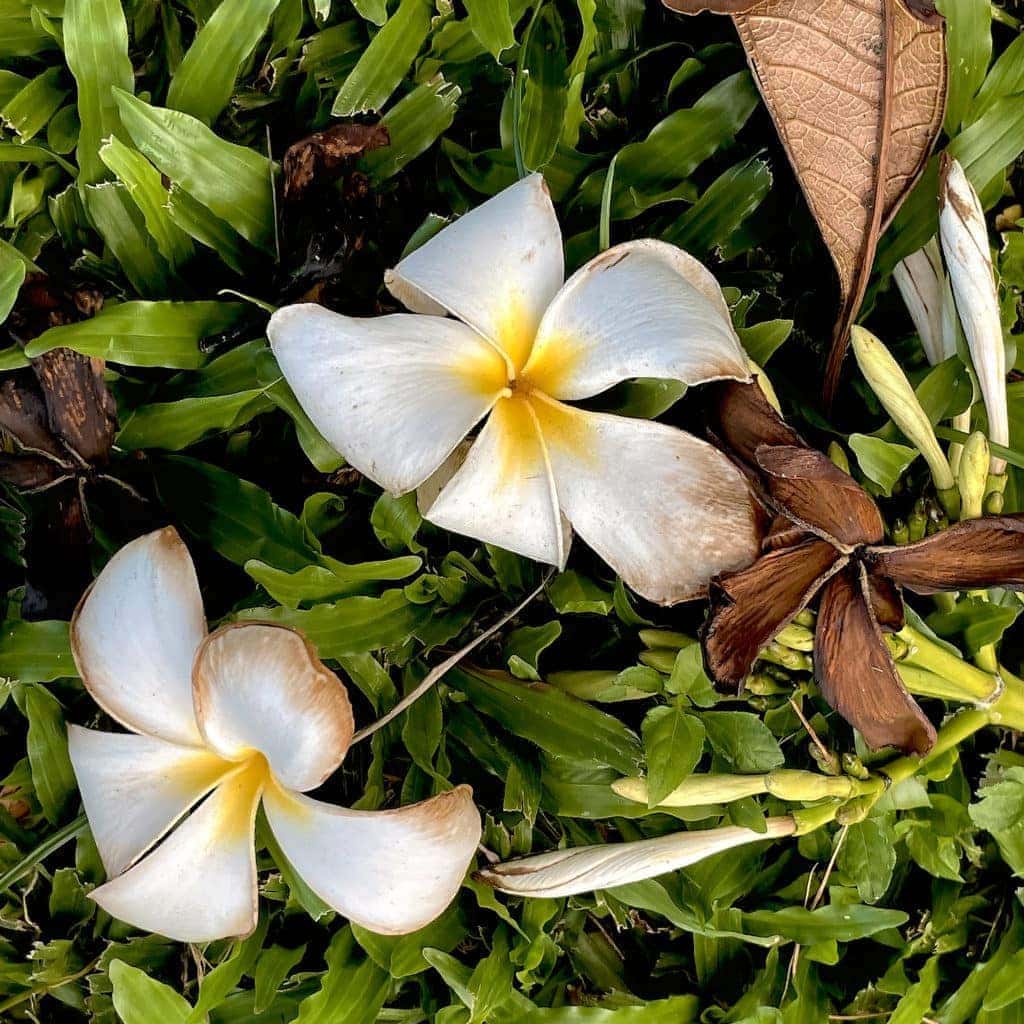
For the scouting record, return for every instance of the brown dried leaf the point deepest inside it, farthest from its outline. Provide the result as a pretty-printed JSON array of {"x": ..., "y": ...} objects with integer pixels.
[
  {"x": 316, "y": 159},
  {"x": 749, "y": 607},
  {"x": 742, "y": 419},
  {"x": 856, "y": 673},
  {"x": 857, "y": 90}
]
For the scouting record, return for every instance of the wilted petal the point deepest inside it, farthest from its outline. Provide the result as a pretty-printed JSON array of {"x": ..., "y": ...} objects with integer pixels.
[
  {"x": 640, "y": 309},
  {"x": 965, "y": 244},
  {"x": 856, "y": 673},
  {"x": 200, "y": 882},
  {"x": 503, "y": 493},
  {"x": 665, "y": 510},
  {"x": 135, "y": 788},
  {"x": 922, "y": 283},
  {"x": 585, "y": 868},
  {"x": 886, "y": 601},
  {"x": 497, "y": 267},
  {"x": 390, "y": 871},
  {"x": 394, "y": 394},
  {"x": 815, "y": 492},
  {"x": 743, "y": 419},
  {"x": 259, "y": 686},
  {"x": 978, "y": 553},
  {"x": 749, "y": 607},
  {"x": 135, "y": 633}
]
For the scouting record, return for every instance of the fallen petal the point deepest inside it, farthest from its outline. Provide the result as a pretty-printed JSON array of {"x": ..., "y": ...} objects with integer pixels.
[
  {"x": 586, "y": 868},
  {"x": 742, "y": 419},
  {"x": 394, "y": 394},
  {"x": 390, "y": 871},
  {"x": 259, "y": 686},
  {"x": 135, "y": 633},
  {"x": 640, "y": 309}
]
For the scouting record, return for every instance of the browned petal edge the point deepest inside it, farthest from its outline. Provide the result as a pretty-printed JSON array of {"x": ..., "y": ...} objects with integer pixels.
[
  {"x": 978, "y": 553},
  {"x": 714, "y": 6},
  {"x": 334, "y": 690},
  {"x": 813, "y": 491},
  {"x": 749, "y": 607},
  {"x": 855, "y": 671}
]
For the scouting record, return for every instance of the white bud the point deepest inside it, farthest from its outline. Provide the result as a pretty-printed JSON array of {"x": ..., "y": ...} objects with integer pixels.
[
  {"x": 585, "y": 868},
  {"x": 922, "y": 283},
  {"x": 965, "y": 246}
]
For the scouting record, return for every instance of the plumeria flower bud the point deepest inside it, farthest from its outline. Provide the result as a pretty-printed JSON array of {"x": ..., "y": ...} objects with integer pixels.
[
  {"x": 972, "y": 475},
  {"x": 893, "y": 390},
  {"x": 965, "y": 245},
  {"x": 398, "y": 395},
  {"x": 695, "y": 790},
  {"x": 923, "y": 285},
  {"x": 586, "y": 868},
  {"x": 220, "y": 724}
]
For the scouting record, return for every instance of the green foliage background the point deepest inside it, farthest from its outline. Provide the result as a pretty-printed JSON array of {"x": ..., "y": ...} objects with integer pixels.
[{"x": 140, "y": 154}]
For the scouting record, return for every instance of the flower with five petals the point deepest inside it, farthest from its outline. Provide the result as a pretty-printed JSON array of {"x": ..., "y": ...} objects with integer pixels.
[
  {"x": 221, "y": 722},
  {"x": 397, "y": 395}
]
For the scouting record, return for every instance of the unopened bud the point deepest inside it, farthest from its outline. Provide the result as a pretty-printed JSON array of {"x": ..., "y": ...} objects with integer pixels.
[
  {"x": 662, "y": 659},
  {"x": 695, "y": 790},
  {"x": 792, "y": 784},
  {"x": 854, "y": 766},
  {"x": 797, "y": 638},
  {"x": 893, "y": 390},
  {"x": 795, "y": 661},
  {"x": 665, "y": 638},
  {"x": 973, "y": 476},
  {"x": 965, "y": 245},
  {"x": 899, "y": 533},
  {"x": 922, "y": 283}
]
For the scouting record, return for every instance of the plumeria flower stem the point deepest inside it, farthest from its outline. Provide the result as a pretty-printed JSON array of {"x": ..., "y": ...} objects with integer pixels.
[
  {"x": 398, "y": 395},
  {"x": 221, "y": 723}
]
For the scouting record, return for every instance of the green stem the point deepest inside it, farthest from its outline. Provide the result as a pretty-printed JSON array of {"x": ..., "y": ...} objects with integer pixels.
[
  {"x": 49, "y": 845},
  {"x": 972, "y": 683}
]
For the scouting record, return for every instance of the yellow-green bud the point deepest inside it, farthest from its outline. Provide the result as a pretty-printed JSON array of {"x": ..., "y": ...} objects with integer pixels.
[
  {"x": 838, "y": 456},
  {"x": 696, "y": 790},
  {"x": 893, "y": 389},
  {"x": 665, "y": 638},
  {"x": 792, "y": 784},
  {"x": 973, "y": 475},
  {"x": 854, "y": 766},
  {"x": 798, "y": 638},
  {"x": 662, "y": 659}
]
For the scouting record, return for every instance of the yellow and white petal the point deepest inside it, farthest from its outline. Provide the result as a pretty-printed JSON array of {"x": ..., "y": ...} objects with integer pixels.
[
  {"x": 640, "y": 309},
  {"x": 135, "y": 633},
  {"x": 496, "y": 268},
  {"x": 199, "y": 884},
  {"x": 585, "y": 868},
  {"x": 665, "y": 510},
  {"x": 135, "y": 788},
  {"x": 390, "y": 871},
  {"x": 393, "y": 394},
  {"x": 261, "y": 687},
  {"x": 503, "y": 493}
]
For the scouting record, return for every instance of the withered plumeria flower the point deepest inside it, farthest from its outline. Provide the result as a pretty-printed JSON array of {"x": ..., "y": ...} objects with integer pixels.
[
  {"x": 245, "y": 714},
  {"x": 826, "y": 542},
  {"x": 397, "y": 395}
]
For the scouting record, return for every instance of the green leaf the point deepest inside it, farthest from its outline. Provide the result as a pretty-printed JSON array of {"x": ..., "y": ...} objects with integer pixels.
[
  {"x": 32, "y": 153},
  {"x": 491, "y": 22},
  {"x": 35, "y": 652},
  {"x": 219, "y": 983},
  {"x": 235, "y": 182},
  {"x": 915, "y": 1005},
  {"x": 332, "y": 579},
  {"x": 743, "y": 740},
  {"x": 196, "y": 221},
  {"x": 350, "y": 992},
  {"x": 673, "y": 744},
  {"x": 52, "y": 774},
  {"x": 884, "y": 462},
  {"x": 1007, "y": 986},
  {"x": 176, "y": 425},
  {"x": 1005, "y": 78},
  {"x": 140, "y": 999},
  {"x": 402, "y": 955},
  {"x": 413, "y": 124},
  {"x": 525, "y": 645},
  {"x": 868, "y": 856},
  {"x": 30, "y": 109},
  {"x": 492, "y": 979},
  {"x": 233, "y": 515},
  {"x": 843, "y": 923},
  {"x": 385, "y": 61},
  {"x": 762, "y": 340},
  {"x": 96, "y": 49},
  {"x": 543, "y": 70},
  {"x": 969, "y": 49},
  {"x": 274, "y": 965},
  {"x": 12, "y": 276},
  {"x": 203, "y": 83},
  {"x": 144, "y": 333},
  {"x": 573, "y": 594}
]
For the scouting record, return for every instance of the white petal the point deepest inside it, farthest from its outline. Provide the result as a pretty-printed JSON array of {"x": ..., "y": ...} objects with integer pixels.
[
  {"x": 135, "y": 633},
  {"x": 390, "y": 871},
  {"x": 393, "y": 394},
  {"x": 503, "y": 493},
  {"x": 496, "y": 268},
  {"x": 260, "y": 686},
  {"x": 641, "y": 309},
  {"x": 135, "y": 788},
  {"x": 585, "y": 868},
  {"x": 922, "y": 283},
  {"x": 199, "y": 884},
  {"x": 965, "y": 245},
  {"x": 665, "y": 510}
]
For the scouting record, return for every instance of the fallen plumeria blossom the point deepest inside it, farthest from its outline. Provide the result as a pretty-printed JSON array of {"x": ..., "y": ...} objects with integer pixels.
[
  {"x": 245, "y": 714},
  {"x": 827, "y": 539},
  {"x": 397, "y": 395},
  {"x": 585, "y": 868}
]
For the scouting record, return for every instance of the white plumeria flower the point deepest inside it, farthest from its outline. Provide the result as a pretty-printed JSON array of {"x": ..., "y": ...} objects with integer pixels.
[
  {"x": 244, "y": 714},
  {"x": 396, "y": 395},
  {"x": 965, "y": 245},
  {"x": 580, "y": 869}
]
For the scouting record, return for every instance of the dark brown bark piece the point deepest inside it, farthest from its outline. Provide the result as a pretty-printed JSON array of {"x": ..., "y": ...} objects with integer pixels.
[
  {"x": 813, "y": 491},
  {"x": 856, "y": 673},
  {"x": 317, "y": 158},
  {"x": 23, "y": 415},
  {"x": 986, "y": 552},
  {"x": 749, "y": 607}
]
